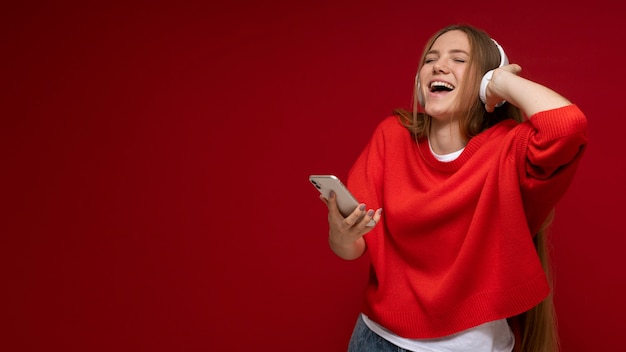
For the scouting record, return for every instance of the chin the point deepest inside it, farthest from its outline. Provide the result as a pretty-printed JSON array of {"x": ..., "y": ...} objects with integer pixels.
[{"x": 437, "y": 112}]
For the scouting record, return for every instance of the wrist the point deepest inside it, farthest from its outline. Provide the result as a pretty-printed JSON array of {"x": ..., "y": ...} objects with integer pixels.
[{"x": 347, "y": 250}]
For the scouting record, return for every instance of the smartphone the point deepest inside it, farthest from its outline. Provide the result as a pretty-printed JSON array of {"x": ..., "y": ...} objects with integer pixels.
[{"x": 346, "y": 202}]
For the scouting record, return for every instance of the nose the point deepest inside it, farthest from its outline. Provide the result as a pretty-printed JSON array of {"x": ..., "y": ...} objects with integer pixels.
[{"x": 439, "y": 68}]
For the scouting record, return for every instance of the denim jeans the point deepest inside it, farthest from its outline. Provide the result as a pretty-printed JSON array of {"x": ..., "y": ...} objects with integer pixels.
[{"x": 365, "y": 340}]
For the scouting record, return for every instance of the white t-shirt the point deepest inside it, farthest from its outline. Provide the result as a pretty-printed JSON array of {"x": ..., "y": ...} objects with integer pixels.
[
  {"x": 445, "y": 157},
  {"x": 493, "y": 336}
]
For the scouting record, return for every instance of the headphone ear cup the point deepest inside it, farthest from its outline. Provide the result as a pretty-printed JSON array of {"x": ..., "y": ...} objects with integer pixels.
[
  {"x": 420, "y": 96},
  {"x": 504, "y": 60}
]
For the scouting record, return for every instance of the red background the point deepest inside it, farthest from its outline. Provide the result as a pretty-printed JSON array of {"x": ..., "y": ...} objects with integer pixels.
[{"x": 155, "y": 159}]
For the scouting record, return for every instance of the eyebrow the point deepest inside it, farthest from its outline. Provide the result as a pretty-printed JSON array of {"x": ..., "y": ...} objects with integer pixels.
[{"x": 453, "y": 51}]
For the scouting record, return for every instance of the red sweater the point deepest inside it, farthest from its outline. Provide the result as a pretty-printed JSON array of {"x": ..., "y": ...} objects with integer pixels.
[{"x": 454, "y": 248}]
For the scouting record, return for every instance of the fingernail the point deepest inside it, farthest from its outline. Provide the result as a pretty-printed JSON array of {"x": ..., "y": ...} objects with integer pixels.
[
  {"x": 370, "y": 213},
  {"x": 362, "y": 207}
]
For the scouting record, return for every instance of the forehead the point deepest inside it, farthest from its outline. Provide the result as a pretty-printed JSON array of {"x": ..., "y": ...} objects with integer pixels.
[{"x": 454, "y": 40}]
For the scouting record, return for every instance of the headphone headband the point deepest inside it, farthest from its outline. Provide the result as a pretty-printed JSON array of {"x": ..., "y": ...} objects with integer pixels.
[{"x": 503, "y": 59}]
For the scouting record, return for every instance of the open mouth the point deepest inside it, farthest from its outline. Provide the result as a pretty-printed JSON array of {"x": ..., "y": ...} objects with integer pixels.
[{"x": 438, "y": 86}]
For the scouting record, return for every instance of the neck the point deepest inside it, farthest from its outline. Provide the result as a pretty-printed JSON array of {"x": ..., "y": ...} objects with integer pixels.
[{"x": 446, "y": 138}]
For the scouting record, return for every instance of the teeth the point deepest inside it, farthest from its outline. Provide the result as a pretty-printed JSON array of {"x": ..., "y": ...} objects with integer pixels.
[{"x": 441, "y": 84}]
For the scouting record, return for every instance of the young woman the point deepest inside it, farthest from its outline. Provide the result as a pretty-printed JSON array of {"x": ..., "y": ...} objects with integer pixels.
[{"x": 468, "y": 181}]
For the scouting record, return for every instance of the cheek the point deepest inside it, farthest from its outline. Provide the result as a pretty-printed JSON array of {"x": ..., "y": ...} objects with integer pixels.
[
  {"x": 462, "y": 81},
  {"x": 423, "y": 72},
  {"x": 459, "y": 73}
]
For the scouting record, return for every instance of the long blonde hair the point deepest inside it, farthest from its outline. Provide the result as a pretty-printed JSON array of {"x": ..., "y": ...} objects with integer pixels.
[{"x": 537, "y": 326}]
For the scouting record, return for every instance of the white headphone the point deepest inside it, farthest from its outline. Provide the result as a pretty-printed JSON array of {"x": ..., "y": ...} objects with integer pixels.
[
  {"x": 482, "y": 93},
  {"x": 504, "y": 60}
]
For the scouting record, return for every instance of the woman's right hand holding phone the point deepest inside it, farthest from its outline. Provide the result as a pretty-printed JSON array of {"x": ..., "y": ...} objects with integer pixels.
[{"x": 346, "y": 234}]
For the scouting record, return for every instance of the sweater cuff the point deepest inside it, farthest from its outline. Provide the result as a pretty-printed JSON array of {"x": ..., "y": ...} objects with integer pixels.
[{"x": 559, "y": 122}]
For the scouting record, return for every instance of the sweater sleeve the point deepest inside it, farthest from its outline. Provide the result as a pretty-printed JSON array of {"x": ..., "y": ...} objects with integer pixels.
[
  {"x": 553, "y": 143},
  {"x": 365, "y": 178}
]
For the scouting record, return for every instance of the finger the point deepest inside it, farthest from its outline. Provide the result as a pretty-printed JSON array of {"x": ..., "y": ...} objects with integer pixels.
[
  {"x": 513, "y": 68},
  {"x": 355, "y": 216},
  {"x": 334, "y": 214},
  {"x": 323, "y": 199},
  {"x": 378, "y": 215},
  {"x": 372, "y": 217},
  {"x": 369, "y": 218},
  {"x": 331, "y": 202}
]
